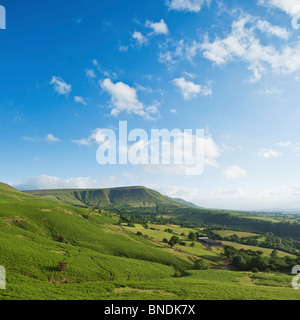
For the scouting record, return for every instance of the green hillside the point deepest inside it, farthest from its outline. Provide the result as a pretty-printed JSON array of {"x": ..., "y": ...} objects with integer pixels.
[
  {"x": 115, "y": 197},
  {"x": 52, "y": 250},
  {"x": 141, "y": 200}
]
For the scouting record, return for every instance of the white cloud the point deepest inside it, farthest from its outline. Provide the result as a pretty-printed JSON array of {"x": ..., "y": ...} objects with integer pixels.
[
  {"x": 124, "y": 99},
  {"x": 158, "y": 27},
  {"x": 269, "y": 153},
  {"x": 191, "y": 90},
  {"x": 187, "y": 5},
  {"x": 268, "y": 198},
  {"x": 176, "y": 191},
  {"x": 211, "y": 154},
  {"x": 31, "y": 139},
  {"x": 234, "y": 172},
  {"x": 48, "y": 182},
  {"x": 60, "y": 86},
  {"x": 122, "y": 48},
  {"x": 270, "y": 91},
  {"x": 90, "y": 73},
  {"x": 141, "y": 40},
  {"x": 267, "y": 27},
  {"x": 174, "y": 51},
  {"x": 50, "y": 138},
  {"x": 88, "y": 141},
  {"x": 284, "y": 143},
  {"x": 290, "y": 7},
  {"x": 243, "y": 44},
  {"x": 80, "y": 100}
]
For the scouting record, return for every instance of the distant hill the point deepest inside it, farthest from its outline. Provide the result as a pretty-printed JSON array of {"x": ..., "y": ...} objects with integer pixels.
[
  {"x": 134, "y": 197},
  {"x": 141, "y": 200},
  {"x": 184, "y": 202}
]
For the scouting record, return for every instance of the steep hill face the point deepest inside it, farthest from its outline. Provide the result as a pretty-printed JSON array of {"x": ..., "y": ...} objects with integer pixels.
[{"x": 135, "y": 197}]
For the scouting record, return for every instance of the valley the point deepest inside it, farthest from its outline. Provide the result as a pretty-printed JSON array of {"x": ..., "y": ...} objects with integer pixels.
[{"x": 56, "y": 247}]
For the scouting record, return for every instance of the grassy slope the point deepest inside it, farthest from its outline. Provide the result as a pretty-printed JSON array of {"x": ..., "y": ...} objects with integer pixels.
[
  {"x": 30, "y": 227},
  {"x": 98, "y": 198},
  {"x": 146, "y": 201},
  {"x": 104, "y": 261}
]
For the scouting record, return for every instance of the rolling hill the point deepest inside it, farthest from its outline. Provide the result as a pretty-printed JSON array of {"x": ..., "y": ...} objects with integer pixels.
[
  {"x": 52, "y": 250},
  {"x": 135, "y": 197},
  {"x": 141, "y": 200}
]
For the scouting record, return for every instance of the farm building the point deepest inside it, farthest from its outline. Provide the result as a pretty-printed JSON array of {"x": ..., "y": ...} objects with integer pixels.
[{"x": 209, "y": 242}]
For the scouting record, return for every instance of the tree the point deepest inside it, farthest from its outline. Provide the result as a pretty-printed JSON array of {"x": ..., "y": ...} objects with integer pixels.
[
  {"x": 201, "y": 265},
  {"x": 274, "y": 254},
  {"x": 192, "y": 236},
  {"x": 230, "y": 252},
  {"x": 175, "y": 239},
  {"x": 171, "y": 243}
]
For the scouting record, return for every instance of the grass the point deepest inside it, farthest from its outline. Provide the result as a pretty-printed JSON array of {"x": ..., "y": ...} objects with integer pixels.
[
  {"x": 266, "y": 251},
  {"x": 106, "y": 261},
  {"x": 240, "y": 234}
]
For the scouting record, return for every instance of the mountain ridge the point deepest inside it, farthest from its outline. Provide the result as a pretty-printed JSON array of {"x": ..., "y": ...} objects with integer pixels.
[{"x": 135, "y": 196}]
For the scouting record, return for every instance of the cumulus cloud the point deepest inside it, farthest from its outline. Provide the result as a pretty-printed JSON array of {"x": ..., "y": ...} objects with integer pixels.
[
  {"x": 50, "y": 138},
  {"x": 268, "y": 28},
  {"x": 124, "y": 99},
  {"x": 269, "y": 153},
  {"x": 158, "y": 27},
  {"x": 88, "y": 141},
  {"x": 174, "y": 51},
  {"x": 187, "y": 5},
  {"x": 141, "y": 40},
  {"x": 290, "y": 7},
  {"x": 60, "y": 86},
  {"x": 234, "y": 172},
  {"x": 80, "y": 100},
  {"x": 48, "y": 182},
  {"x": 243, "y": 44},
  {"x": 190, "y": 90}
]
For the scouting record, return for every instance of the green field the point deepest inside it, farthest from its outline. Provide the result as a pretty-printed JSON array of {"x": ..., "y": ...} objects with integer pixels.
[
  {"x": 240, "y": 234},
  {"x": 104, "y": 260}
]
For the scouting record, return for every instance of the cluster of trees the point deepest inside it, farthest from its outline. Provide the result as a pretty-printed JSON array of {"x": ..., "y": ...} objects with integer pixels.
[
  {"x": 173, "y": 241},
  {"x": 176, "y": 240},
  {"x": 287, "y": 245},
  {"x": 289, "y": 229},
  {"x": 270, "y": 241},
  {"x": 247, "y": 260}
]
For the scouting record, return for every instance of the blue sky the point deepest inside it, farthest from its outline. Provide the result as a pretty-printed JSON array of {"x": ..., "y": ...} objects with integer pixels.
[{"x": 70, "y": 68}]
